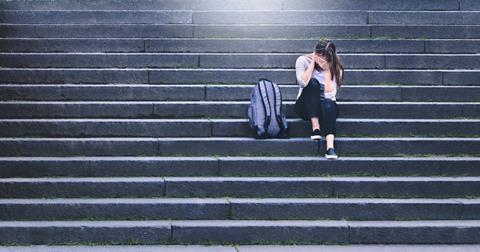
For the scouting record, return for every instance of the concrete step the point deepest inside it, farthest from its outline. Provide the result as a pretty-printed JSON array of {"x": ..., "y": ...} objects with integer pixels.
[
  {"x": 377, "y": 45},
  {"x": 200, "y": 146},
  {"x": 226, "y": 109},
  {"x": 405, "y": 5},
  {"x": 121, "y": 209},
  {"x": 205, "y": 45},
  {"x": 174, "y": 248},
  {"x": 99, "y": 92},
  {"x": 242, "y": 248},
  {"x": 357, "y": 93},
  {"x": 184, "y": 17},
  {"x": 424, "y": 17},
  {"x": 83, "y": 187},
  {"x": 338, "y": 17},
  {"x": 360, "y": 76},
  {"x": 239, "y": 17},
  {"x": 145, "y": 92},
  {"x": 281, "y": 17},
  {"x": 95, "y": 17},
  {"x": 240, "y": 232},
  {"x": 243, "y": 187},
  {"x": 425, "y": 31},
  {"x": 239, "y": 209},
  {"x": 228, "y": 128},
  {"x": 95, "y": 30},
  {"x": 313, "y": 31},
  {"x": 82, "y": 232},
  {"x": 224, "y": 76},
  {"x": 443, "y": 5},
  {"x": 231, "y": 60},
  {"x": 236, "y": 166}
]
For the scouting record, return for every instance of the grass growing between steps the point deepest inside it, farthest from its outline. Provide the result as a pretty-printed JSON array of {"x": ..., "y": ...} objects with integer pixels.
[
  {"x": 129, "y": 242},
  {"x": 174, "y": 242},
  {"x": 314, "y": 174},
  {"x": 254, "y": 242},
  {"x": 315, "y": 38},
  {"x": 390, "y": 84},
  {"x": 109, "y": 243},
  {"x": 342, "y": 135},
  {"x": 313, "y": 153},
  {"x": 295, "y": 174},
  {"x": 242, "y": 218},
  {"x": 466, "y": 118},
  {"x": 329, "y": 196},
  {"x": 449, "y": 134},
  {"x": 270, "y": 196}
]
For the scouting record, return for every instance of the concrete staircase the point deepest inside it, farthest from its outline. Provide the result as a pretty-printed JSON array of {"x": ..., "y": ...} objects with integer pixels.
[{"x": 125, "y": 123}]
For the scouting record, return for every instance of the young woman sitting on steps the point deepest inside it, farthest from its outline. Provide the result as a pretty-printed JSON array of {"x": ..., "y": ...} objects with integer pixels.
[{"x": 319, "y": 74}]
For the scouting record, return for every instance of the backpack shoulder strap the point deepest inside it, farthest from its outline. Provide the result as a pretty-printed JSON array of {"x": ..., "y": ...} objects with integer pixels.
[
  {"x": 278, "y": 105},
  {"x": 266, "y": 103}
]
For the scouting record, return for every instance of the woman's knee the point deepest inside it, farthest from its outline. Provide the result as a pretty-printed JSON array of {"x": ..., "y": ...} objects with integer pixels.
[
  {"x": 313, "y": 113},
  {"x": 329, "y": 106},
  {"x": 313, "y": 83},
  {"x": 329, "y": 116},
  {"x": 329, "y": 128}
]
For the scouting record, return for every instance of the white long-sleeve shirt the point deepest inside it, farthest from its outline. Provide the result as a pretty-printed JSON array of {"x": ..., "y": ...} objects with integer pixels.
[{"x": 301, "y": 65}]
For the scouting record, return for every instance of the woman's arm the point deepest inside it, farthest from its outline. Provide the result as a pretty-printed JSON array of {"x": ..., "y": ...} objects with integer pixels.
[{"x": 304, "y": 71}]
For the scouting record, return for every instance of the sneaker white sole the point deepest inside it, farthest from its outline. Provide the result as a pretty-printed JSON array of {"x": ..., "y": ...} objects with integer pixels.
[
  {"x": 315, "y": 137},
  {"x": 331, "y": 156}
]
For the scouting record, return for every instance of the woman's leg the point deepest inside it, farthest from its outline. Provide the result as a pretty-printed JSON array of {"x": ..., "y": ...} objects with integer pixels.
[
  {"x": 315, "y": 123},
  {"x": 329, "y": 119},
  {"x": 312, "y": 102},
  {"x": 330, "y": 139}
]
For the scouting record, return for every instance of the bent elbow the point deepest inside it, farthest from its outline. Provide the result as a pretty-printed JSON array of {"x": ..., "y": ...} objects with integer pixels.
[{"x": 300, "y": 82}]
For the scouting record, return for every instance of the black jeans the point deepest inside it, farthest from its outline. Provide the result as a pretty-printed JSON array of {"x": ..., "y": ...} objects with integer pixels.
[{"x": 311, "y": 104}]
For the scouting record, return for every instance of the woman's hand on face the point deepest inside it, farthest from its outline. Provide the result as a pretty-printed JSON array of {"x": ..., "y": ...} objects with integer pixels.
[
  {"x": 321, "y": 62},
  {"x": 311, "y": 57}
]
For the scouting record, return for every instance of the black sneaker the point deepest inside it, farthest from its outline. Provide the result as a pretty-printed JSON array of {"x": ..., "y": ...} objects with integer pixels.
[
  {"x": 316, "y": 135},
  {"x": 331, "y": 154}
]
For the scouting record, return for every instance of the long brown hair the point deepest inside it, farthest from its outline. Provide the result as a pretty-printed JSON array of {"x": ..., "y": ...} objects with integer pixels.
[{"x": 328, "y": 49}]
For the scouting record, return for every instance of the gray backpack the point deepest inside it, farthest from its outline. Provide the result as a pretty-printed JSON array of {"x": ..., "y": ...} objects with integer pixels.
[{"x": 265, "y": 113}]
